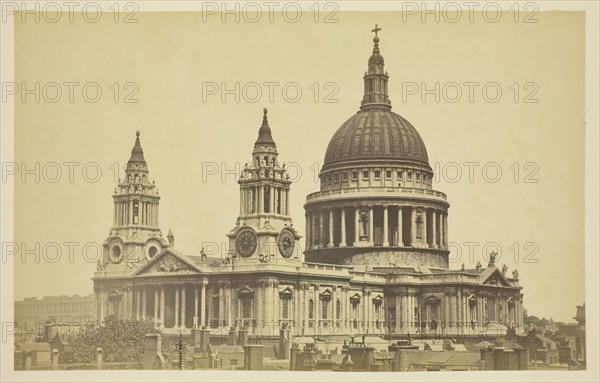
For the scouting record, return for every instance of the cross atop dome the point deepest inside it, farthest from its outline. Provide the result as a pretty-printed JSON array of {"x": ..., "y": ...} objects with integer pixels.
[{"x": 376, "y": 30}]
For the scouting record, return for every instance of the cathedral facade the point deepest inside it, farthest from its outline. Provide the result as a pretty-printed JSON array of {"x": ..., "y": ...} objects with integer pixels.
[{"x": 375, "y": 257}]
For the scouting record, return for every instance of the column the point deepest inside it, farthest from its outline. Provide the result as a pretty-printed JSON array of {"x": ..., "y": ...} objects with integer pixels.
[
  {"x": 138, "y": 302},
  {"x": 425, "y": 231},
  {"x": 287, "y": 203},
  {"x": 261, "y": 200},
  {"x": 433, "y": 229},
  {"x": 330, "y": 244},
  {"x": 176, "y": 306},
  {"x": 398, "y": 328},
  {"x": 183, "y": 313},
  {"x": 230, "y": 322},
  {"x": 203, "y": 304},
  {"x": 356, "y": 226},
  {"x": 445, "y": 218},
  {"x": 441, "y": 231},
  {"x": 413, "y": 226},
  {"x": 315, "y": 231},
  {"x": 321, "y": 229},
  {"x": 307, "y": 230},
  {"x": 459, "y": 313},
  {"x": 343, "y": 227},
  {"x": 400, "y": 217},
  {"x": 371, "y": 243},
  {"x": 144, "y": 303},
  {"x": 162, "y": 305},
  {"x": 272, "y": 198},
  {"x": 196, "y": 306},
  {"x": 386, "y": 241},
  {"x": 317, "y": 305},
  {"x": 155, "y": 306},
  {"x": 364, "y": 311},
  {"x": 241, "y": 201}
]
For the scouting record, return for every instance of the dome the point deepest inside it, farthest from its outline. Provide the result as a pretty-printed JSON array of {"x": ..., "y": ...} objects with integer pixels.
[{"x": 376, "y": 134}]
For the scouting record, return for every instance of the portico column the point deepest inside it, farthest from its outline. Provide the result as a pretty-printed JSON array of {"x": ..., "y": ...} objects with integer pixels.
[
  {"x": 399, "y": 241},
  {"x": 144, "y": 303},
  {"x": 183, "y": 313},
  {"x": 162, "y": 305},
  {"x": 155, "y": 306},
  {"x": 176, "y": 307},
  {"x": 371, "y": 242},
  {"x": 386, "y": 241},
  {"x": 260, "y": 199},
  {"x": 196, "y": 306},
  {"x": 330, "y": 244},
  {"x": 202, "y": 304},
  {"x": 138, "y": 304},
  {"x": 413, "y": 226},
  {"x": 343, "y": 227},
  {"x": 433, "y": 229}
]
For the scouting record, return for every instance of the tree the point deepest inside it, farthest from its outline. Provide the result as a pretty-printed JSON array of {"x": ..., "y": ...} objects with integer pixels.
[{"x": 121, "y": 340}]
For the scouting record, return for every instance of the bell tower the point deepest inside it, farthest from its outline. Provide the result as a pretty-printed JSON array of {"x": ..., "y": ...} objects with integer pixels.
[
  {"x": 135, "y": 236},
  {"x": 264, "y": 229}
]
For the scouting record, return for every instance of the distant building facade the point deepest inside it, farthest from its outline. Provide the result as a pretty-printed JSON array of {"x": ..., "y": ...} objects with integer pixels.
[
  {"x": 376, "y": 257},
  {"x": 61, "y": 309}
]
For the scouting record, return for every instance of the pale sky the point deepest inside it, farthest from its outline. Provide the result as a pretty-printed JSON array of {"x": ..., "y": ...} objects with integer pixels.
[{"x": 171, "y": 55}]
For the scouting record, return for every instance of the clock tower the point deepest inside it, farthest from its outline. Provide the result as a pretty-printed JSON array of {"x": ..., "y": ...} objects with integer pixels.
[
  {"x": 135, "y": 236},
  {"x": 264, "y": 230}
]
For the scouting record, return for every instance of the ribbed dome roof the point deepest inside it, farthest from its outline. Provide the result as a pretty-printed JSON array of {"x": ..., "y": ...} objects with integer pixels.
[{"x": 376, "y": 133}]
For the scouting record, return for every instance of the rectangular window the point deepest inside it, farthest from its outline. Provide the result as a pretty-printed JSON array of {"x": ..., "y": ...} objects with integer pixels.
[
  {"x": 344, "y": 176},
  {"x": 335, "y": 177},
  {"x": 377, "y": 174},
  {"x": 246, "y": 308},
  {"x": 325, "y": 308},
  {"x": 215, "y": 307},
  {"x": 365, "y": 174},
  {"x": 388, "y": 174},
  {"x": 418, "y": 177},
  {"x": 409, "y": 175},
  {"x": 354, "y": 175},
  {"x": 285, "y": 308}
]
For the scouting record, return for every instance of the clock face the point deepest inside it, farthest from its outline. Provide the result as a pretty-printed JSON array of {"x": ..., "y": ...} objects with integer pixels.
[
  {"x": 286, "y": 243},
  {"x": 246, "y": 242},
  {"x": 116, "y": 254}
]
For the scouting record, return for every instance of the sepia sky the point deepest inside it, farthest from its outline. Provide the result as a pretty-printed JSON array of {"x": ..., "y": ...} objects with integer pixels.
[{"x": 533, "y": 215}]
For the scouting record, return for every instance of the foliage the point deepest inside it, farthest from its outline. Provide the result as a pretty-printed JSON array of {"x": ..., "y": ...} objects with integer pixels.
[{"x": 121, "y": 340}]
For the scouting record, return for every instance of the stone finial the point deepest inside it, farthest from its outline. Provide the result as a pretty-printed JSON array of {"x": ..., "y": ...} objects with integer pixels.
[
  {"x": 515, "y": 274},
  {"x": 504, "y": 269}
]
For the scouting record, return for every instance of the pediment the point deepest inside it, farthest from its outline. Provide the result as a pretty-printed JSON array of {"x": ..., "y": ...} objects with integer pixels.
[
  {"x": 286, "y": 293},
  {"x": 496, "y": 278},
  {"x": 168, "y": 262},
  {"x": 433, "y": 300},
  {"x": 245, "y": 291}
]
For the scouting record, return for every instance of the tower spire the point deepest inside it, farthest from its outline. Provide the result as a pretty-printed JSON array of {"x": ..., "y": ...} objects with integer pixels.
[
  {"x": 137, "y": 153},
  {"x": 376, "y": 79},
  {"x": 264, "y": 133}
]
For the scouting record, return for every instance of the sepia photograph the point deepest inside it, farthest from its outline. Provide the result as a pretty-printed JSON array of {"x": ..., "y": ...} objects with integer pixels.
[{"x": 282, "y": 191}]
